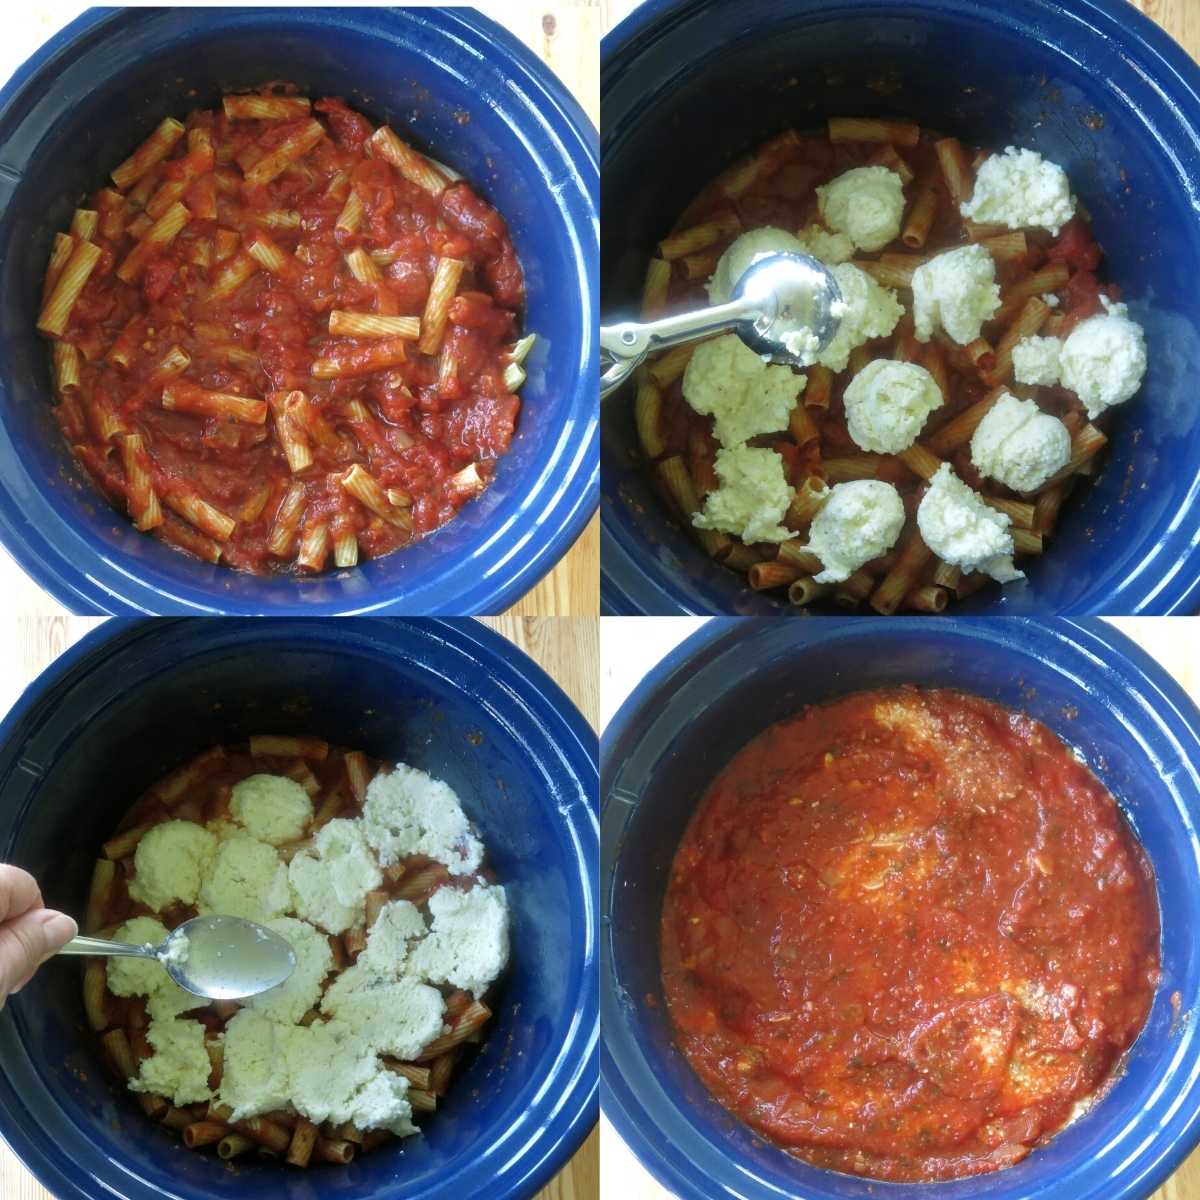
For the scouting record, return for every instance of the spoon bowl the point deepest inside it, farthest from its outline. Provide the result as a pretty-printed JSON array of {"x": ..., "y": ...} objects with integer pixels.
[
  {"x": 221, "y": 958},
  {"x": 226, "y": 958},
  {"x": 799, "y": 307}
]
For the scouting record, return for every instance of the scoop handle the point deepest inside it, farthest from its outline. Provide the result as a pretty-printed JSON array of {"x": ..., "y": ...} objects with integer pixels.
[
  {"x": 91, "y": 945},
  {"x": 623, "y": 346}
]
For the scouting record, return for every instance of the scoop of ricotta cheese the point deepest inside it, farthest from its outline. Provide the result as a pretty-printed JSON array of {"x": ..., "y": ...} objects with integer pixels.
[
  {"x": 272, "y": 808},
  {"x": 963, "y": 531},
  {"x": 170, "y": 862},
  {"x": 957, "y": 291},
  {"x": 1036, "y": 361},
  {"x": 1103, "y": 361},
  {"x": 1021, "y": 190},
  {"x": 752, "y": 498},
  {"x": 742, "y": 252},
  {"x": 866, "y": 204},
  {"x": 740, "y": 390},
  {"x": 829, "y": 248},
  {"x": 872, "y": 311},
  {"x": 858, "y": 522},
  {"x": 887, "y": 403},
  {"x": 1019, "y": 445}
]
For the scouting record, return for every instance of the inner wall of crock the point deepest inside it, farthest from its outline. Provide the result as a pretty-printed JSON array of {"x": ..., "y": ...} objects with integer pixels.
[
  {"x": 989, "y": 82},
  {"x": 102, "y": 741},
  {"x": 745, "y": 684},
  {"x": 124, "y": 80}
]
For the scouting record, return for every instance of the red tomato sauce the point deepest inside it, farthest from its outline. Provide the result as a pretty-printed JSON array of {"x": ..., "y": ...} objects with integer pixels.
[
  {"x": 424, "y": 422},
  {"x": 906, "y": 934}
]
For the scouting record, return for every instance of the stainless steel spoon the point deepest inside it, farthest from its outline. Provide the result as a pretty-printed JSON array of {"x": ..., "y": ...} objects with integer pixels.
[
  {"x": 785, "y": 306},
  {"x": 223, "y": 958}
]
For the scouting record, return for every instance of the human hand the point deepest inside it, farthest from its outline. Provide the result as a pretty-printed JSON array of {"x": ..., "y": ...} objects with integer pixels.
[{"x": 29, "y": 932}]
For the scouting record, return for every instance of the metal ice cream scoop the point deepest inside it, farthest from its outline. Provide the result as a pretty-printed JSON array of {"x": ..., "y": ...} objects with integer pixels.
[
  {"x": 785, "y": 306},
  {"x": 223, "y": 958}
]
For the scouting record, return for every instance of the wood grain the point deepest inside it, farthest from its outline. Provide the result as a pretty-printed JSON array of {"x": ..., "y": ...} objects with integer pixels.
[
  {"x": 566, "y": 648},
  {"x": 564, "y": 34}
]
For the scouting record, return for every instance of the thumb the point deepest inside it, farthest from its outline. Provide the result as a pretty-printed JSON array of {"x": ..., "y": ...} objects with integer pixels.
[{"x": 27, "y": 941}]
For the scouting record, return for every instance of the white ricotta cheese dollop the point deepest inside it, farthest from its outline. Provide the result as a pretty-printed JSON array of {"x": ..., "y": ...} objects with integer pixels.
[
  {"x": 254, "y": 1077},
  {"x": 960, "y": 529},
  {"x": 1022, "y": 190},
  {"x": 864, "y": 203},
  {"x": 170, "y": 862},
  {"x": 248, "y": 880},
  {"x": 394, "y": 1016},
  {"x": 1104, "y": 359},
  {"x": 467, "y": 946},
  {"x": 742, "y": 252},
  {"x": 397, "y": 928},
  {"x": 829, "y": 248},
  {"x": 291, "y": 999},
  {"x": 335, "y": 1076},
  {"x": 1036, "y": 360},
  {"x": 872, "y": 311},
  {"x": 179, "y": 1067},
  {"x": 138, "y": 976},
  {"x": 410, "y": 812},
  {"x": 272, "y": 808},
  {"x": 752, "y": 498},
  {"x": 743, "y": 393},
  {"x": 858, "y": 522},
  {"x": 887, "y": 403},
  {"x": 957, "y": 291},
  {"x": 1019, "y": 445}
]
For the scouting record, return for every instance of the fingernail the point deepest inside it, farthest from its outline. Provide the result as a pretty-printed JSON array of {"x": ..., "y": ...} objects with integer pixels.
[{"x": 59, "y": 928}]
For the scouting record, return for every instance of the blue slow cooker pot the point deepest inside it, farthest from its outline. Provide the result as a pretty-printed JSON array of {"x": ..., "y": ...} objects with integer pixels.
[
  {"x": 133, "y": 700},
  {"x": 1133, "y": 725},
  {"x": 1092, "y": 84},
  {"x": 99, "y": 87}
]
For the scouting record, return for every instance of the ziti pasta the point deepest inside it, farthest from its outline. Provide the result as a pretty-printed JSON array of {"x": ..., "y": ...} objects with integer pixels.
[
  {"x": 266, "y": 297},
  {"x": 399, "y": 928},
  {"x": 930, "y": 449}
]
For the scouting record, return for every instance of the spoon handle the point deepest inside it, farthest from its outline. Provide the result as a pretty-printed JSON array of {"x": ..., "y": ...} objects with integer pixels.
[
  {"x": 624, "y": 345},
  {"x": 91, "y": 945}
]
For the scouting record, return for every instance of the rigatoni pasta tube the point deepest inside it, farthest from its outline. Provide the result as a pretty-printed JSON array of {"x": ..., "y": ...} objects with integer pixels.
[
  {"x": 66, "y": 289},
  {"x": 858, "y": 129},
  {"x": 654, "y": 288},
  {"x": 265, "y": 108},
  {"x": 959, "y": 430},
  {"x": 287, "y": 521},
  {"x": 1029, "y": 320},
  {"x": 343, "y": 361},
  {"x": 144, "y": 508},
  {"x": 182, "y": 396},
  {"x": 352, "y": 324},
  {"x": 153, "y": 150},
  {"x": 437, "y": 306},
  {"x": 197, "y": 511},
  {"x": 647, "y": 412},
  {"x": 160, "y": 234},
  {"x": 365, "y": 488},
  {"x": 414, "y": 166},
  {"x": 914, "y": 555},
  {"x": 699, "y": 237},
  {"x": 956, "y": 171},
  {"x": 291, "y": 148}
]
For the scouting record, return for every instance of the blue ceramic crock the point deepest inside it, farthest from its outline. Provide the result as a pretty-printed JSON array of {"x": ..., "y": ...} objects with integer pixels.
[
  {"x": 1093, "y": 687},
  {"x": 133, "y": 700},
  {"x": 101, "y": 85},
  {"x": 1092, "y": 84}
]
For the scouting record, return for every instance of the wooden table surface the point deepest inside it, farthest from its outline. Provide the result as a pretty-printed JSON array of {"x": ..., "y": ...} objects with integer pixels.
[
  {"x": 566, "y": 648},
  {"x": 565, "y": 35}
]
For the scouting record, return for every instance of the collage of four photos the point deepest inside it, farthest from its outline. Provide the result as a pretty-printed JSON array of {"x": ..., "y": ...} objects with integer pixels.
[{"x": 600, "y": 600}]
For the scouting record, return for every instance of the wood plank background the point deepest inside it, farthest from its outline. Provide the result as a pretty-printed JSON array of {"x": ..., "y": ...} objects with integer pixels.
[
  {"x": 565, "y": 35},
  {"x": 565, "y": 647}
]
